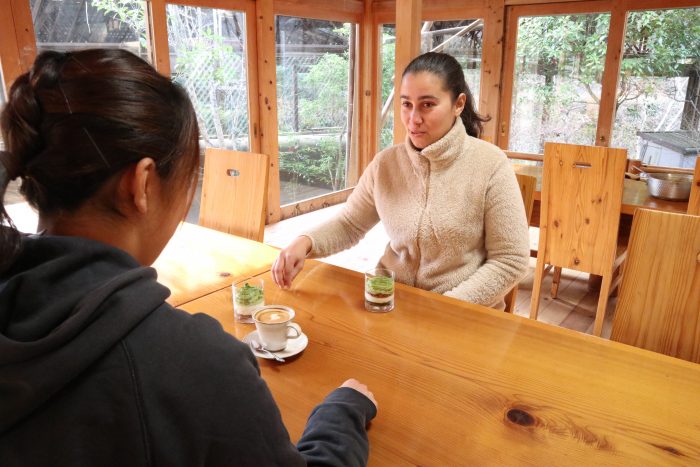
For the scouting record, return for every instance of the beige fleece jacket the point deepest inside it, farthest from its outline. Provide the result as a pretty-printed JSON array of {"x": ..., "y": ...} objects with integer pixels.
[{"x": 453, "y": 212}]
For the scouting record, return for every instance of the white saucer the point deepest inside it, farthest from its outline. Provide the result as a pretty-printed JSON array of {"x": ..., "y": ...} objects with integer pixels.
[{"x": 294, "y": 346}]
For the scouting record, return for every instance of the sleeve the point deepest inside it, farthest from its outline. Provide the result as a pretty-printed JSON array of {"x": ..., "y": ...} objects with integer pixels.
[
  {"x": 356, "y": 219},
  {"x": 506, "y": 242},
  {"x": 335, "y": 433},
  {"x": 204, "y": 402}
]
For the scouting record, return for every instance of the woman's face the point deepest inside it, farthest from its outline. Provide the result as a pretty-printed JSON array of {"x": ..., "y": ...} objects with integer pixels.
[{"x": 427, "y": 109}]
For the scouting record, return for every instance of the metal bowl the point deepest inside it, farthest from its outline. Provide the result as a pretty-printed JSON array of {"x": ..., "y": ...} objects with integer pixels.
[{"x": 672, "y": 187}]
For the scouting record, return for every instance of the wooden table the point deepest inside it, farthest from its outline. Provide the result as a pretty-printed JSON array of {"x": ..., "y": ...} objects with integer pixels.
[
  {"x": 460, "y": 384},
  {"x": 635, "y": 194},
  {"x": 198, "y": 261}
]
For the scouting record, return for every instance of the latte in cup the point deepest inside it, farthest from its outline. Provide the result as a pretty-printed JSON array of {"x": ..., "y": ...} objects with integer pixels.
[
  {"x": 273, "y": 315},
  {"x": 275, "y": 327}
]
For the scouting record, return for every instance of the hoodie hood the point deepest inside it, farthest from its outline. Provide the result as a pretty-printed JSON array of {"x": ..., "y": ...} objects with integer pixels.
[{"x": 64, "y": 303}]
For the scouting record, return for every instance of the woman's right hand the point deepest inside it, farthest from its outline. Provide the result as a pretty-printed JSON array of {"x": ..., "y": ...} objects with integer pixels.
[{"x": 290, "y": 261}]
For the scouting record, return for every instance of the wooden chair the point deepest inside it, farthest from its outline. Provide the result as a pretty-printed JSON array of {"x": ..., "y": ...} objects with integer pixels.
[
  {"x": 658, "y": 307},
  {"x": 528, "y": 185},
  {"x": 234, "y": 192},
  {"x": 580, "y": 206},
  {"x": 694, "y": 201}
]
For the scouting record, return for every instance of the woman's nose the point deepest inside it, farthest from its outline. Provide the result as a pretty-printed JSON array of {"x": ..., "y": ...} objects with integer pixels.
[{"x": 416, "y": 117}]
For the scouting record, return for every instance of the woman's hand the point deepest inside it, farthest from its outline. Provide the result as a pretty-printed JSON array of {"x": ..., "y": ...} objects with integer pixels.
[
  {"x": 361, "y": 388},
  {"x": 290, "y": 261}
]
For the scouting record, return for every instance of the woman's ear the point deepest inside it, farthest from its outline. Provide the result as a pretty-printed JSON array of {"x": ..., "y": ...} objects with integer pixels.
[
  {"x": 136, "y": 185},
  {"x": 460, "y": 103}
]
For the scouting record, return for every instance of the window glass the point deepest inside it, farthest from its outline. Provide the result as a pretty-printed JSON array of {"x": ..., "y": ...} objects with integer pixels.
[
  {"x": 463, "y": 40},
  {"x": 388, "y": 48},
  {"x": 65, "y": 25},
  {"x": 460, "y": 38},
  {"x": 314, "y": 71},
  {"x": 208, "y": 58},
  {"x": 558, "y": 69},
  {"x": 658, "y": 96}
]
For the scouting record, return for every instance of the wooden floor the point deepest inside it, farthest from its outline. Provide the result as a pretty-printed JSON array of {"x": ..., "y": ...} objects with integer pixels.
[{"x": 573, "y": 309}]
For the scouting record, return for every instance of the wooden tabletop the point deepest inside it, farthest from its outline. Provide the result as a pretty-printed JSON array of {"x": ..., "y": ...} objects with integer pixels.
[
  {"x": 635, "y": 194},
  {"x": 198, "y": 261},
  {"x": 460, "y": 384}
]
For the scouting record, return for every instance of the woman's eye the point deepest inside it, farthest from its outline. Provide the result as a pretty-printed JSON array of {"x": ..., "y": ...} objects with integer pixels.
[
  {"x": 406, "y": 104},
  {"x": 428, "y": 105}
]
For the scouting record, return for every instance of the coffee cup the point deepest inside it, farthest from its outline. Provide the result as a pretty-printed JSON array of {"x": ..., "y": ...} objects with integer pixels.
[{"x": 275, "y": 327}]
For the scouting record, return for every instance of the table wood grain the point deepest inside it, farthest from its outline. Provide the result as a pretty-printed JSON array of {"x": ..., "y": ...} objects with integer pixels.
[
  {"x": 198, "y": 261},
  {"x": 460, "y": 384}
]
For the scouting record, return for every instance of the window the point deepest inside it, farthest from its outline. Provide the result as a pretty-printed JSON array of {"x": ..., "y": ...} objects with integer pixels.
[
  {"x": 65, "y": 25},
  {"x": 388, "y": 57},
  {"x": 315, "y": 69},
  {"x": 658, "y": 96},
  {"x": 558, "y": 69},
  {"x": 461, "y": 38},
  {"x": 208, "y": 58}
]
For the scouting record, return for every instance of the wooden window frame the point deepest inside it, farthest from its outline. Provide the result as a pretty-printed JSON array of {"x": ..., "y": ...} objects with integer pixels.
[{"x": 611, "y": 72}]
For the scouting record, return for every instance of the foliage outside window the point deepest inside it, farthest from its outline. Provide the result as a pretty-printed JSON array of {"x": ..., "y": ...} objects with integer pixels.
[
  {"x": 66, "y": 25},
  {"x": 208, "y": 58},
  {"x": 461, "y": 38},
  {"x": 558, "y": 70},
  {"x": 388, "y": 53},
  {"x": 313, "y": 74},
  {"x": 658, "y": 95}
]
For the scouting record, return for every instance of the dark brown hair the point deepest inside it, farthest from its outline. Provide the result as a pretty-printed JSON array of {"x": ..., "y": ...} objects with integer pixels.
[
  {"x": 450, "y": 71},
  {"x": 77, "y": 119}
]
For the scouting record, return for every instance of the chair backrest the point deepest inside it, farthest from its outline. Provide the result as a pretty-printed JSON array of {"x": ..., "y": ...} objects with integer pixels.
[
  {"x": 580, "y": 209},
  {"x": 234, "y": 192},
  {"x": 527, "y": 184},
  {"x": 694, "y": 201},
  {"x": 658, "y": 307}
]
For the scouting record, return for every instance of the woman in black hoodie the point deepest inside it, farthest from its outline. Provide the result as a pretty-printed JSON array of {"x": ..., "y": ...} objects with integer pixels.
[{"x": 95, "y": 367}]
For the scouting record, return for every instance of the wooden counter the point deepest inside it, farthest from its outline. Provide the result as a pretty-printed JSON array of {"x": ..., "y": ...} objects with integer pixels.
[{"x": 635, "y": 194}]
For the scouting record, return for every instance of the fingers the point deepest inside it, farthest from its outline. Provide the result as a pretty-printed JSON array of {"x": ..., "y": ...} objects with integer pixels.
[
  {"x": 290, "y": 261},
  {"x": 352, "y": 383},
  {"x": 278, "y": 271}
]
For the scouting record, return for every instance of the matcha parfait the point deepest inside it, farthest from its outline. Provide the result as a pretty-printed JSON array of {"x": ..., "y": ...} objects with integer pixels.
[
  {"x": 379, "y": 290},
  {"x": 248, "y": 296}
]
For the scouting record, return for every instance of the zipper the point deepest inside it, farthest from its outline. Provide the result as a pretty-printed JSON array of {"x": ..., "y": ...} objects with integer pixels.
[{"x": 420, "y": 222}]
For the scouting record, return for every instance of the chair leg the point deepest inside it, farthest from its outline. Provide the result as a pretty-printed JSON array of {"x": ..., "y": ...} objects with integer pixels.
[
  {"x": 510, "y": 299},
  {"x": 537, "y": 286},
  {"x": 555, "y": 281},
  {"x": 602, "y": 304}
]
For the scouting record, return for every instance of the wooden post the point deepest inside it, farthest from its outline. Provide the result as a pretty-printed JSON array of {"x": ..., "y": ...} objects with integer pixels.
[
  {"x": 9, "y": 54},
  {"x": 611, "y": 75},
  {"x": 491, "y": 67},
  {"x": 369, "y": 87},
  {"x": 251, "y": 38},
  {"x": 24, "y": 31},
  {"x": 267, "y": 98},
  {"x": 159, "y": 32},
  {"x": 408, "y": 25}
]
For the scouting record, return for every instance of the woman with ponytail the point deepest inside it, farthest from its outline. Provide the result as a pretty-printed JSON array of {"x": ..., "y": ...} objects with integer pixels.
[
  {"x": 449, "y": 202},
  {"x": 95, "y": 367}
]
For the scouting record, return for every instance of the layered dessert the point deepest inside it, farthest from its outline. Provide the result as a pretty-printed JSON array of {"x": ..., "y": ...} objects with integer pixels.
[
  {"x": 379, "y": 292},
  {"x": 246, "y": 300}
]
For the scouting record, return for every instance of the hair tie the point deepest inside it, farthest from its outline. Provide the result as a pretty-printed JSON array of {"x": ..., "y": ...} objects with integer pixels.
[{"x": 8, "y": 166}]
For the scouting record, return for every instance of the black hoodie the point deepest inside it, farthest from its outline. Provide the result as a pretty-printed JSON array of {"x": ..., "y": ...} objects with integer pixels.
[{"x": 96, "y": 369}]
